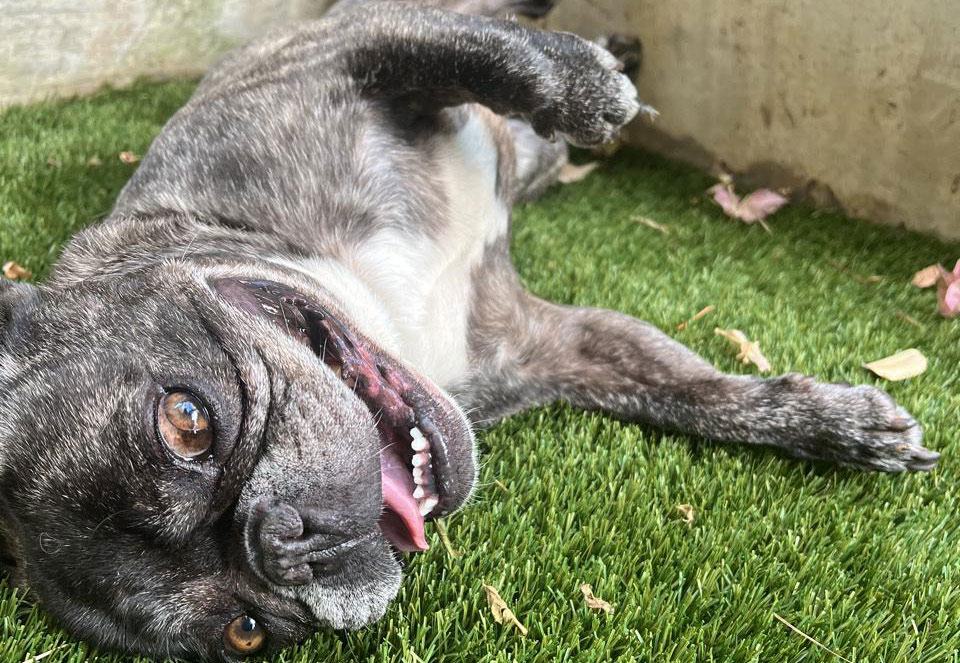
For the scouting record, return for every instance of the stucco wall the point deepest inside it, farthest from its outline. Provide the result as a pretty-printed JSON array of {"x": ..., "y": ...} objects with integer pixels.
[
  {"x": 855, "y": 104},
  {"x": 61, "y": 47}
]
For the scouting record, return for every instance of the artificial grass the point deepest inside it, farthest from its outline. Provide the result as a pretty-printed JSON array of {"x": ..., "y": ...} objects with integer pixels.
[{"x": 866, "y": 564}]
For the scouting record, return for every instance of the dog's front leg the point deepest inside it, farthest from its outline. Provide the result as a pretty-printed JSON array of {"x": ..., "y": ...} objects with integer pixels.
[
  {"x": 425, "y": 59},
  {"x": 529, "y": 351}
]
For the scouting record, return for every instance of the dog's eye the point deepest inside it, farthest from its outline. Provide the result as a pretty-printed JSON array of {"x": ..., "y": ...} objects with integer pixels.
[
  {"x": 184, "y": 425},
  {"x": 244, "y": 636}
]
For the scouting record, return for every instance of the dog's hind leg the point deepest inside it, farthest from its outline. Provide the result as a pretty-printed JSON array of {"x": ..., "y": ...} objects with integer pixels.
[
  {"x": 527, "y": 351},
  {"x": 538, "y": 161}
]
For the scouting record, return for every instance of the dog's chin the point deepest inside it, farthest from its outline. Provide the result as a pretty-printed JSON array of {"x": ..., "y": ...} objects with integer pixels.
[
  {"x": 427, "y": 462},
  {"x": 358, "y": 604}
]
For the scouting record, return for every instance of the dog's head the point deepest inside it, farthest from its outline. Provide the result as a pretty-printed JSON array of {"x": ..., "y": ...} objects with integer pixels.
[{"x": 211, "y": 463}]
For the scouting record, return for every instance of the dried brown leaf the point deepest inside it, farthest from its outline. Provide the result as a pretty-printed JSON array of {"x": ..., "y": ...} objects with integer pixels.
[
  {"x": 502, "y": 614},
  {"x": 594, "y": 602},
  {"x": 687, "y": 513},
  {"x": 650, "y": 223},
  {"x": 571, "y": 172},
  {"x": 13, "y": 270},
  {"x": 54, "y": 163},
  {"x": 94, "y": 161},
  {"x": 903, "y": 365},
  {"x": 927, "y": 277},
  {"x": 696, "y": 316},
  {"x": 749, "y": 351},
  {"x": 129, "y": 157}
]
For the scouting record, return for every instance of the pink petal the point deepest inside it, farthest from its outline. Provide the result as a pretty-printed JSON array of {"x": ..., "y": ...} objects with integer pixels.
[
  {"x": 949, "y": 298},
  {"x": 956, "y": 269},
  {"x": 760, "y": 204},
  {"x": 724, "y": 196}
]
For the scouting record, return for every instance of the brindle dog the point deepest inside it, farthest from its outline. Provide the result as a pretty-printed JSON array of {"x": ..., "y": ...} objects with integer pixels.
[{"x": 229, "y": 406}]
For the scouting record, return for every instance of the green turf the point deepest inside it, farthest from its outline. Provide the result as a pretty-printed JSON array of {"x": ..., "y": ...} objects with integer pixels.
[{"x": 867, "y": 564}]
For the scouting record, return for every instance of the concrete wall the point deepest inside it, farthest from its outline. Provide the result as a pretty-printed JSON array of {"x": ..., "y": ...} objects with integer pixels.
[
  {"x": 853, "y": 103},
  {"x": 61, "y": 47}
]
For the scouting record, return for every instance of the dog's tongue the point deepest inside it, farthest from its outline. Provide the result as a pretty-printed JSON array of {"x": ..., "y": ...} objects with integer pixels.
[{"x": 401, "y": 522}]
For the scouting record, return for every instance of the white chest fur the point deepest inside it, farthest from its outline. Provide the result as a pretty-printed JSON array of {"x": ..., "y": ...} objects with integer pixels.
[{"x": 412, "y": 292}]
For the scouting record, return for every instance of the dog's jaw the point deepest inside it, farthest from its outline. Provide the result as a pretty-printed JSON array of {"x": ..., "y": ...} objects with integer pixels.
[{"x": 423, "y": 435}]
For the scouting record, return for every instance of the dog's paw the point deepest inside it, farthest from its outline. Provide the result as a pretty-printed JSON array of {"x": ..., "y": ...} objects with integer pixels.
[
  {"x": 628, "y": 50},
  {"x": 855, "y": 426},
  {"x": 589, "y": 99}
]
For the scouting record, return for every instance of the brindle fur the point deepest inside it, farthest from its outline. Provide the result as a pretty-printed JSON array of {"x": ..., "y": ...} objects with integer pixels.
[{"x": 313, "y": 157}]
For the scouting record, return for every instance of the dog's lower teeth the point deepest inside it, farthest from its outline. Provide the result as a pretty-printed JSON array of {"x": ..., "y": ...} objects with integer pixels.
[
  {"x": 416, "y": 433},
  {"x": 421, "y": 459},
  {"x": 417, "y": 474},
  {"x": 426, "y": 506},
  {"x": 419, "y": 493}
]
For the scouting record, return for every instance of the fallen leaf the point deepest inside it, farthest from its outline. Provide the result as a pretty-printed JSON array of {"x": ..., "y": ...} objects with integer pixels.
[
  {"x": 502, "y": 614},
  {"x": 687, "y": 513},
  {"x": 13, "y": 270},
  {"x": 749, "y": 351},
  {"x": 696, "y": 316},
  {"x": 54, "y": 163},
  {"x": 571, "y": 172},
  {"x": 900, "y": 366},
  {"x": 948, "y": 292},
  {"x": 129, "y": 157},
  {"x": 927, "y": 277},
  {"x": 94, "y": 161},
  {"x": 594, "y": 602},
  {"x": 752, "y": 208},
  {"x": 650, "y": 223}
]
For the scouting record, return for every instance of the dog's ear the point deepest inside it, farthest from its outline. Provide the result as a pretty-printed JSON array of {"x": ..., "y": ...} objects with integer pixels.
[{"x": 15, "y": 300}]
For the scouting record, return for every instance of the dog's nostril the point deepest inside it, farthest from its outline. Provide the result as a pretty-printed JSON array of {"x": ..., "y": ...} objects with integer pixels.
[{"x": 291, "y": 546}]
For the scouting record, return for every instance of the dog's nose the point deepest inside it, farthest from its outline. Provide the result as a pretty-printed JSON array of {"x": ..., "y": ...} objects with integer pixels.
[{"x": 292, "y": 545}]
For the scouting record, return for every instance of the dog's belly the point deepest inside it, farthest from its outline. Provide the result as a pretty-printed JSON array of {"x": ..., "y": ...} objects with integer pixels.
[{"x": 412, "y": 291}]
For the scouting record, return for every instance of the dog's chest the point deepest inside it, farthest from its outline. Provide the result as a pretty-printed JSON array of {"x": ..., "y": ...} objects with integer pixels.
[{"x": 411, "y": 291}]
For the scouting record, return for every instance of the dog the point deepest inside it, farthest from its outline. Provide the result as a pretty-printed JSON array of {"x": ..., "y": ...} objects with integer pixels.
[{"x": 230, "y": 405}]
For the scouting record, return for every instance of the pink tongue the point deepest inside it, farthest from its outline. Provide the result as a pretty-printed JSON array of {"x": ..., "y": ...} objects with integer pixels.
[{"x": 401, "y": 523}]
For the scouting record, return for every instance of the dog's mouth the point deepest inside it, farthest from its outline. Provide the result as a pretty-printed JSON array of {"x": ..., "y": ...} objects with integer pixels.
[{"x": 416, "y": 427}]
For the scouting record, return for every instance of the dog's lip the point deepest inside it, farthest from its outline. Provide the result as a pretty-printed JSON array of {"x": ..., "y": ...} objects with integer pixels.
[{"x": 403, "y": 401}]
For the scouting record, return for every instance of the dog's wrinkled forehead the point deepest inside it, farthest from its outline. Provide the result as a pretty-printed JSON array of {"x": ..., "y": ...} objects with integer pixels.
[{"x": 124, "y": 545}]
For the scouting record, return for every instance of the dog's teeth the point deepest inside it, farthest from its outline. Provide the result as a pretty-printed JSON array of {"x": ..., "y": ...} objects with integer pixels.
[
  {"x": 419, "y": 493},
  {"x": 426, "y": 506},
  {"x": 421, "y": 459},
  {"x": 418, "y": 444},
  {"x": 418, "y": 475},
  {"x": 416, "y": 433}
]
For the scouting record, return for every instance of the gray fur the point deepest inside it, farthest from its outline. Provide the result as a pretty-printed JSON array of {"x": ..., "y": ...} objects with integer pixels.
[{"x": 311, "y": 159}]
